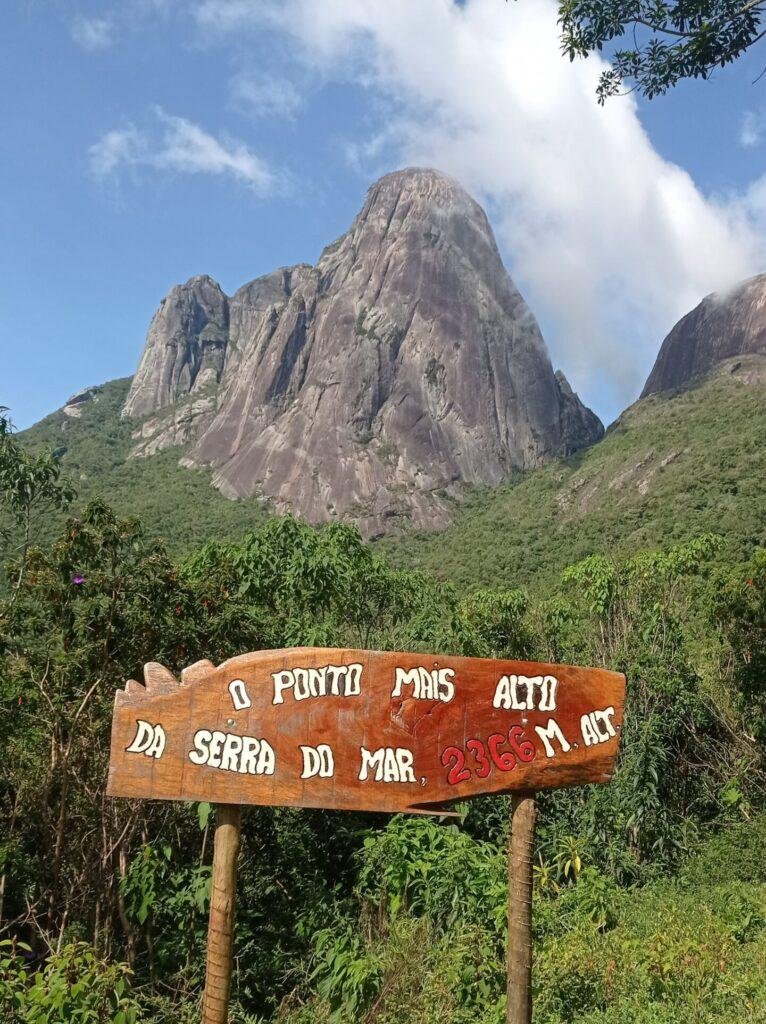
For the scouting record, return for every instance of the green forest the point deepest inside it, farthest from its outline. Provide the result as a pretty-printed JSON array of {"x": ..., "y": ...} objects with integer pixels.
[{"x": 650, "y": 892}]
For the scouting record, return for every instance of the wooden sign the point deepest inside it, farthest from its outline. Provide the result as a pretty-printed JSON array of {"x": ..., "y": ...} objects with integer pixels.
[{"x": 362, "y": 730}]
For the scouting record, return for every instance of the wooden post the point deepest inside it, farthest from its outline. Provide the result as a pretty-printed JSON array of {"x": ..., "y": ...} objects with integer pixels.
[
  {"x": 520, "y": 849},
  {"x": 220, "y": 936}
]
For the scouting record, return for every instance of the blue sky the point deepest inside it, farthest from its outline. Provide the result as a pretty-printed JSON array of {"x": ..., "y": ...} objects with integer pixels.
[{"x": 155, "y": 139}]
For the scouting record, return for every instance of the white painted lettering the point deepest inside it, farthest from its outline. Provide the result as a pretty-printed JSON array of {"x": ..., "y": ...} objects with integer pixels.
[
  {"x": 526, "y": 693},
  {"x": 142, "y": 739},
  {"x": 157, "y": 745},
  {"x": 596, "y": 726},
  {"x": 239, "y": 695},
  {"x": 282, "y": 681},
  {"x": 335, "y": 680},
  {"x": 149, "y": 740},
  {"x": 248, "y": 764},
  {"x": 214, "y": 753},
  {"x": 589, "y": 734},
  {"x": 371, "y": 760},
  {"x": 318, "y": 682},
  {"x": 387, "y": 764},
  {"x": 405, "y": 759},
  {"x": 335, "y": 673},
  {"x": 200, "y": 753},
  {"x": 405, "y": 678},
  {"x": 232, "y": 748},
  {"x": 551, "y": 732},
  {"x": 434, "y": 684},
  {"x": 301, "y": 688},
  {"x": 502, "y": 698},
  {"x": 228, "y": 752},
  {"x": 318, "y": 761},
  {"x": 548, "y": 696},
  {"x": 353, "y": 680},
  {"x": 267, "y": 759}
]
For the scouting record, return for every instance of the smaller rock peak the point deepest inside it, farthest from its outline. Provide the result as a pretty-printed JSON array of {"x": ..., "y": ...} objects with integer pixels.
[
  {"x": 727, "y": 323},
  {"x": 564, "y": 385}
]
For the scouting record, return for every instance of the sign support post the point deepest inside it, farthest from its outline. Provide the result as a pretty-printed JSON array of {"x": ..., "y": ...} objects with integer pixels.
[
  {"x": 520, "y": 850},
  {"x": 220, "y": 936}
]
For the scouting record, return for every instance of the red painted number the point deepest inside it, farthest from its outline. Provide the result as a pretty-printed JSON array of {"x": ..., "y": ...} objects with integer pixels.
[
  {"x": 458, "y": 772},
  {"x": 487, "y": 755},
  {"x": 504, "y": 759},
  {"x": 525, "y": 749},
  {"x": 480, "y": 755}
]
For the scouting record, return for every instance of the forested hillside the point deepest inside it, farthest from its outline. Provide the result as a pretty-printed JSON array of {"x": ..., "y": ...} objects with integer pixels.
[
  {"x": 650, "y": 892},
  {"x": 672, "y": 467},
  {"x": 174, "y": 503}
]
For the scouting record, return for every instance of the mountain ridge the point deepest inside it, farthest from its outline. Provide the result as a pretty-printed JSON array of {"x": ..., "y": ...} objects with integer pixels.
[
  {"x": 687, "y": 457},
  {"x": 673, "y": 466}
]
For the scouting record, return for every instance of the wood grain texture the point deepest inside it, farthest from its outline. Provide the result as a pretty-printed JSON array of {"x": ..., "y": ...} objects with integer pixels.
[
  {"x": 220, "y": 934},
  {"x": 422, "y": 751},
  {"x": 521, "y": 842}
]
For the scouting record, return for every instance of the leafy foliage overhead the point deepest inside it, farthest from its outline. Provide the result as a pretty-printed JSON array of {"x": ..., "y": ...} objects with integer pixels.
[{"x": 653, "y": 45}]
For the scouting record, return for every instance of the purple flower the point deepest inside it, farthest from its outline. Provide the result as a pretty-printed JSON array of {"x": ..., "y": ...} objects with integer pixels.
[{"x": 78, "y": 579}]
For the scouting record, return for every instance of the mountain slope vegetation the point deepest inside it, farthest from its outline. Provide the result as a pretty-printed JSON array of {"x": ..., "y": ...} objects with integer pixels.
[
  {"x": 673, "y": 466},
  {"x": 173, "y": 503}
]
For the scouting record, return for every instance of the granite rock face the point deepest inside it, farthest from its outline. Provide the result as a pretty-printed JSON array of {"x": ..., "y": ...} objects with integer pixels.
[
  {"x": 376, "y": 384},
  {"x": 723, "y": 325},
  {"x": 185, "y": 347}
]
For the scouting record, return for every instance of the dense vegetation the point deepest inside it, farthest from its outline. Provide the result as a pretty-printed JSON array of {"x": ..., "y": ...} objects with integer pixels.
[
  {"x": 651, "y": 891},
  {"x": 175, "y": 504}
]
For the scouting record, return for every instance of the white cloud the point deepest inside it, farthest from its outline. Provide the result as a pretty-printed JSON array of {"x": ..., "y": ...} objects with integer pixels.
[
  {"x": 610, "y": 242},
  {"x": 266, "y": 95},
  {"x": 751, "y": 130},
  {"x": 93, "y": 33},
  {"x": 176, "y": 144},
  {"x": 119, "y": 146},
  {"x": 226, "y": 15}
]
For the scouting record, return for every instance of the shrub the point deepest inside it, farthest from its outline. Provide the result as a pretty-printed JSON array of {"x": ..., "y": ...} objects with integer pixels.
[{"x": 73, "y": 986}]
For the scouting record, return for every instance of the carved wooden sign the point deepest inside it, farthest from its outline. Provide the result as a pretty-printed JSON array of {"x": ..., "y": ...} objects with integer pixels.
[{"x": 362, "y": 730}]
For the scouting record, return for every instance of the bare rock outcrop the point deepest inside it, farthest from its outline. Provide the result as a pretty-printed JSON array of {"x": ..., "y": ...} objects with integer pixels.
[
  {"x": 79, "y": 401},
  {"x": 376, "y": 384},
  {"x": 185, "y": 347},
  {"x": 723, "y": 325}
]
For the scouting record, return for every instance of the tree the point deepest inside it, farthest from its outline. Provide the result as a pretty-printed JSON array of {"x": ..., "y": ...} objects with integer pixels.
[
  {"x": 741, "y": 613},
  {"x": 29, "y": 485},
  {"x": 89, "y": 609},
  {"x": 671, "y": 41}
]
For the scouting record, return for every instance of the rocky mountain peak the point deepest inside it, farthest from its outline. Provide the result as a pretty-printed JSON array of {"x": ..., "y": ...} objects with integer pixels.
[
  {"x": 723, "y": 325},
  {"x": 185, "y": 348},
  {"x": 376, "y": 384}
]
